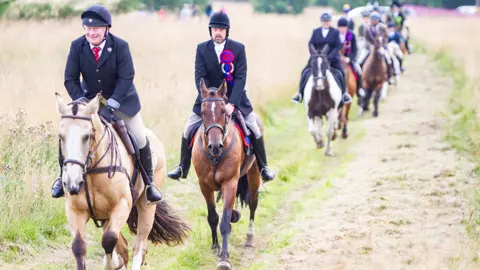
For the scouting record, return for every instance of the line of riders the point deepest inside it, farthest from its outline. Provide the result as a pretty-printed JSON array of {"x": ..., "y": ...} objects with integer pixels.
[
  {"x": 344, "y": 37},
  {"x": 105, "y": 64}
]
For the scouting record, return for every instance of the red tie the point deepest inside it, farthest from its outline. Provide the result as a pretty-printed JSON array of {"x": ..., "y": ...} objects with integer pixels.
[{"x": 96, "y": 51}]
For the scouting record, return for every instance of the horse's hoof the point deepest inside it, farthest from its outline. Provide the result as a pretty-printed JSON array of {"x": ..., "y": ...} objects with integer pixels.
[
  {"x": 216, "y": 251},
  {"x": 344, "y": 135},
  {"x": 235, "y": 216},
  {"x": 329, "y": 154},
  {"x": 249, "y": 243},
  {"x": 320, "y": 145},
  {"x": 224, "y": 265},
  {"x": 375, "y": 114}
]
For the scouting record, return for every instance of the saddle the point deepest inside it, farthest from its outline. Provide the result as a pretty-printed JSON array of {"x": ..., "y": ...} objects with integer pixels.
[{"x": 130, "y": 144}]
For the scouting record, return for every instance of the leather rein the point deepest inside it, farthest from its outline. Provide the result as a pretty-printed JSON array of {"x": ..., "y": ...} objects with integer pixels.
[{"x": 89, "y": 168}]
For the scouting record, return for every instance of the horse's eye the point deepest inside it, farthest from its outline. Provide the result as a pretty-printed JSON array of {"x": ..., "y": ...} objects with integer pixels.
[
  {"x": 85, "y": 138},
  {"x": 61, "y": 137},
  {"x": 224, "y": 110}
]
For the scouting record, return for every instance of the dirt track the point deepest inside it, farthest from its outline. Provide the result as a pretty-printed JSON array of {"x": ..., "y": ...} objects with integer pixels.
[{"x": 403, "y": 199}]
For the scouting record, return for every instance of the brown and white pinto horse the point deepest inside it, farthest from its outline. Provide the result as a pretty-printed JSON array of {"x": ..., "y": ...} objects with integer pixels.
[{"x": 221, "y": 164}]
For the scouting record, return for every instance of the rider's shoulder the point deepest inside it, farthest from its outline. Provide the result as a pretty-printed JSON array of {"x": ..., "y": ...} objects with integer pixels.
[
  {"x": 79, "y": 41},
  {"x": 234, "y": 43}
]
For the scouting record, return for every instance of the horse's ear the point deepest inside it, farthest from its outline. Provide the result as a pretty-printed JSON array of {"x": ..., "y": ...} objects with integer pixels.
[
  {"x": 222, "y": 91},
  {"x": 325, "y": 49},
  {"x": 203, "y": 88},
  {"x": 94, "y": 105},
  {"x": 312, "y": 49},
  {"x": 61, "y": 106}
]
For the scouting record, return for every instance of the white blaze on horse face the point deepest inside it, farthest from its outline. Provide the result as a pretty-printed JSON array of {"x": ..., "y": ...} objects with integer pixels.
[
  {"x": 321, "y": 83},
  {"x": 74, "y": 149},
  {"x": 213, "y": 111}
]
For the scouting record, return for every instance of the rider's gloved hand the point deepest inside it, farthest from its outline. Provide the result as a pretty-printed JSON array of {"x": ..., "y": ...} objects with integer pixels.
[{"x": 107, "y": 113}]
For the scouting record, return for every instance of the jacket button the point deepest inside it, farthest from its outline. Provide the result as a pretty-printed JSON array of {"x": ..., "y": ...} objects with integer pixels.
[
  {"x": 99, "y": 81},
  {"x": 98, "y": 70}
]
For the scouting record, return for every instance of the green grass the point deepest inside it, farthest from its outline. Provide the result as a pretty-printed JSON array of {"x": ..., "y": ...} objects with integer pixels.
[{"x": 464, "y": 126}]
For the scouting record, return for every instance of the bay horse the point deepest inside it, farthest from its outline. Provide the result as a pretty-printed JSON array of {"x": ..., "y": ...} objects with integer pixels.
[
  {"x": 100, "y": 184},
  {"x": 322, "y": 98},
  {"x": 351, "y": 83},
  {"x": 222, "y": 165},
  {"x": 374, "y": 75}
]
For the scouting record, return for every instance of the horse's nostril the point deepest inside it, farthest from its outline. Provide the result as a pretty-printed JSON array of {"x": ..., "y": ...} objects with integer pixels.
[
  {"x": 220, "y": 146},
  {"x": 210, "y": 146}
]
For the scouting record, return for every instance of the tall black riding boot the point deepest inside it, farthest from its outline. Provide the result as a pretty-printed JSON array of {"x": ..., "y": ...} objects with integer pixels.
[
  {"x": 182, "y": 169},
  {"x": 152, "y": 193},
  {"x": 57, "y": 187},
  {"x": 261, "y": 156},
  {"x": 298, "y": 97}
]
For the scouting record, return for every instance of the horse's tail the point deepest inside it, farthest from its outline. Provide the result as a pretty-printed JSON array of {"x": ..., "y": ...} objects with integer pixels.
[
  {"x": 242, "y": 190},
  {"x": 167, "y": 228}
]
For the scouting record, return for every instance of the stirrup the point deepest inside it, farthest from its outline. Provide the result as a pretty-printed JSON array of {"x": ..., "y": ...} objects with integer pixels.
[{"x": 176, "y": 167}]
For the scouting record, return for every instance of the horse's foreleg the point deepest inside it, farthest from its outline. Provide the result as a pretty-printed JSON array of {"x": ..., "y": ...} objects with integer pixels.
[
  {"x": 209, "y": 196},
  {"x": 383, "y": 90},
  {"x": 77, "y": 222},
  {"x": 376, "y": 100},
  {"x": 118, "y": 219},
  {"x": 253, "y": 186},
  {"x": 318, "y": 135},
  {"x": 145, "y": 220},
  {"x": 366, "y": 99},
  {"x": 229, "y": 192},
  {"x": 345, "y": 113},
  {"x": 332, "y": 116}
]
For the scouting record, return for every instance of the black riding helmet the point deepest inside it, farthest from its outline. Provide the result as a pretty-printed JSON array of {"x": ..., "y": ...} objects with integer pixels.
[
  {"x": 342, "y": 22},
  {"x": 97, "y": 15},
  {"x": 219, "y": 20}
]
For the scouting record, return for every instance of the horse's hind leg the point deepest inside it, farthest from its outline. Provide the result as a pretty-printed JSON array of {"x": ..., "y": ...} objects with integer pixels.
[
  {"x": 253, "y": 186},
  {"x": 229, "y": 193},
  {"x": 208, "y": 194},
  {"x": 118, "y": 219},
  {"x": 345, "y": 113},
  {"x": 146, "y": 216},
  {"x": 77, "y": 223}
]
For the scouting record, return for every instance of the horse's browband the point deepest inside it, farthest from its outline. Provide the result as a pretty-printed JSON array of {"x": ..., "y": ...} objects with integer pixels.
[{"x": 77, "y": 117}]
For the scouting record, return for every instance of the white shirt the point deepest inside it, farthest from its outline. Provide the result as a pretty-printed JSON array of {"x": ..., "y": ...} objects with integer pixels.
[
  {"x": 342, "y": 37},
  {"x": 219, "y": 49},
  {"x": 102, "y": 45},
  {"x": 325, "y": 32}
]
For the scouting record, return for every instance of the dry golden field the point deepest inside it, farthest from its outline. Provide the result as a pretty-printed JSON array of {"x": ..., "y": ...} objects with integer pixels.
[{"x": 369, "y": 207}]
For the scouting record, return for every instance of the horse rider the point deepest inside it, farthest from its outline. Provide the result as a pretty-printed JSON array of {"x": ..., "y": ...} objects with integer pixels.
[
  {"x": 377, "y": 28},
  {"x": 349, "y": 41},
  {"x": 106, "y": 66},
  {"x": 211, "y": 64},
  {"x": 321, "y": 37},
  {"x": 398, "y": 18},
  {"x": 394, "y": 36},
  {"x": 351, "y": 23}
]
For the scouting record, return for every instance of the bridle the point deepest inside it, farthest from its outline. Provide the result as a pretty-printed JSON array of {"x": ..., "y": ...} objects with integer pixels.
[
  {"x": 223, "y": 129},
  {"x": 89, "y": 168},
  {"x": 317, "y": 76}
]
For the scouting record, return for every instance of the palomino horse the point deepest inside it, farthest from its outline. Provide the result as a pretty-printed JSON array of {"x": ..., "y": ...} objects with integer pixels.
[
  {"x": 95, "y": 160},
  {"x": 322, "y": 98},
  {"x": 374, "y": 75},
  {"x": 351, "y": 83},
  {"x": 221, "y": 164}
]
